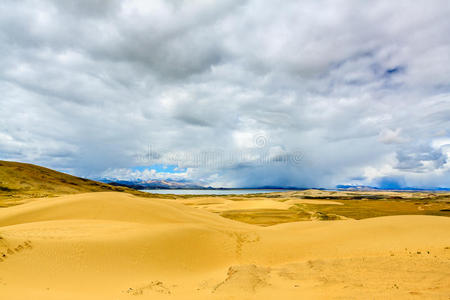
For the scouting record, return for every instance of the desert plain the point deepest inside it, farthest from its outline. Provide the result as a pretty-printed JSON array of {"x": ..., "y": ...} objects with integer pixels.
[{"x": 311, "y": 244}]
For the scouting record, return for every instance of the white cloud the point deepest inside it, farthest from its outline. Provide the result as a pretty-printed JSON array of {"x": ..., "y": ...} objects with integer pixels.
[
  {"x": 361, "y": 89},
  {"x": 389, "y": 136}
]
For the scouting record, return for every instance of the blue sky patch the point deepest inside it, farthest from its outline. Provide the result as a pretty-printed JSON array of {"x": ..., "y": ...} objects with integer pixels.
[
  {"x": 395, "y": 70},
  {"x": 160, "y": 168}
]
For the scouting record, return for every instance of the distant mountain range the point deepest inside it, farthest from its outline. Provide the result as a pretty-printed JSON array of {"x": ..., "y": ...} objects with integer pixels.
[
  {"x": 155, "y": 184},
  {"x": 343, "y": 187},
  {"x": 186, "y": 184},
  {"x": 179, "y": 184}
]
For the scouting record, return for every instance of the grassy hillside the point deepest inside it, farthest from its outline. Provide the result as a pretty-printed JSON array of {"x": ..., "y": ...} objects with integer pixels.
[{"x": 19, "y": 181}]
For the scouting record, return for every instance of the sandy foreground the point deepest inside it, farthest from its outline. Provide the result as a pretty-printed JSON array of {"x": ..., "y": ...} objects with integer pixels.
[{"x": 119, "y": 246}]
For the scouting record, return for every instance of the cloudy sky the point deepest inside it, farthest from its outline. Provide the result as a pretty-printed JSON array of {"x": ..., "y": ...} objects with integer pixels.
[{"x": 229, "y": 93}]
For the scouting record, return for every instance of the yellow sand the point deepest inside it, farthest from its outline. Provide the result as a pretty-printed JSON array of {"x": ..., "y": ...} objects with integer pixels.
[
  {"x": 216, "y": 204},
  {"x": 119, "y": 246},
  {"x": 309, "y": 201},
  {"x": 242, "y": 205}
]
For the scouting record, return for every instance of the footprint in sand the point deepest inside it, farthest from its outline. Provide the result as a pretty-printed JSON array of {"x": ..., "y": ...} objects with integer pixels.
[
  {"x": 11, "y": 251},
  {"x": 3, "y": 256},
  {"x": 241, "y": 239},
  {"x": 244, "y": 278},
  {"x": 155, "y": 286},
  {"x": 27, "y": 245},
  {"x": 415, "y": 293}
]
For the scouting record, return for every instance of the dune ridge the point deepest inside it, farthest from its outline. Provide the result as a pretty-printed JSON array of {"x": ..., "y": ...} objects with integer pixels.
[{"x": 111, "y": 245}]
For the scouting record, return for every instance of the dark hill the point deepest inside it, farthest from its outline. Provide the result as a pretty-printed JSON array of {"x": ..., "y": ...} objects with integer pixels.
[{"x": 19, "y": 181}]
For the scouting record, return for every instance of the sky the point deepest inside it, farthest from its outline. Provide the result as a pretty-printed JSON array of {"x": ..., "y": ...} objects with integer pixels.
[{"x": 311, "y": 93}]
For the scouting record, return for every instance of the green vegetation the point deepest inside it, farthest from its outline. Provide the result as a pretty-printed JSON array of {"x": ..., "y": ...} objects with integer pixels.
[
  {"x": 353, "y": 209},
  {"x": 362, "y": 209},
  {"x": 355, "y": 205},
  {"x": 268, "y": 217}
]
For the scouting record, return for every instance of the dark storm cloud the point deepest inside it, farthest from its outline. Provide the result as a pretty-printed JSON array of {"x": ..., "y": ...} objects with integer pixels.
[
  {"x": 360, "y": 89},
  {"x": 421, "y": 159}
]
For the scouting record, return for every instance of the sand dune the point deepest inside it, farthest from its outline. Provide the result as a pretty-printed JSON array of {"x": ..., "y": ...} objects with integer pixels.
[
  {"x": 308, "y": 201},
  {"x": 216, "y": 204},
  {"x": 224, "y": 205},
  {"x": 119, "y": 246}
]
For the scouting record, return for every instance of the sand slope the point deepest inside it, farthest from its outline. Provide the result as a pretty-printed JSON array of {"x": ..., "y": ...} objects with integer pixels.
[{"x": 119, "y": 246}]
